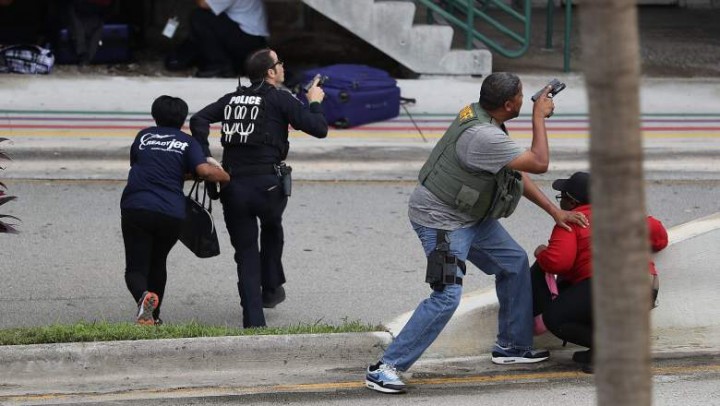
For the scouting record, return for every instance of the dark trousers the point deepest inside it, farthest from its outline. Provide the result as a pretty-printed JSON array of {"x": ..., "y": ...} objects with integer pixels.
[
  {"x": 569, "y": 316},
  {"x": 245, "y": 200},
  {"x": 541, "y": 293},
  {"x": 85, "y": 22},
  {"x": 149, "y": 236},
  {"x": 220, "y": 40}
]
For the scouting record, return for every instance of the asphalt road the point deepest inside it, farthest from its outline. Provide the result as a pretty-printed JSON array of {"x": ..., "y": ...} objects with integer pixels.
[
  {"x": 350, "y": 254},
  {"x": 675, "y": 383}
]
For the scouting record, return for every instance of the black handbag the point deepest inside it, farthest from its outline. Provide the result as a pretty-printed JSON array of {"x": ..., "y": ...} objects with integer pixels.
[{"x": 198, "y": 232}]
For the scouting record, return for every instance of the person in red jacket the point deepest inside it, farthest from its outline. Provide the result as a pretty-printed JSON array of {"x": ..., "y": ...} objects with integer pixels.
[{"x": 568, "y": 256}]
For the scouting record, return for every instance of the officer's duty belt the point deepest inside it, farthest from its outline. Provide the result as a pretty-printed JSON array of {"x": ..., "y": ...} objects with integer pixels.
[{"x": 266, "y": 169}]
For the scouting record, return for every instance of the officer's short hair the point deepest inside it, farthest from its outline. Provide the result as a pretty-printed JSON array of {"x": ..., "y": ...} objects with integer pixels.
[
  {"x": 258, "y": 63},
  {"x": 498, "y": 88},
  {"x": 169, "y": 111}
]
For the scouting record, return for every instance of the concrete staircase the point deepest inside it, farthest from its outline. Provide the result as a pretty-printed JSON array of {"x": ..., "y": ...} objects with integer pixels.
[{"x": 388, "y": 26}]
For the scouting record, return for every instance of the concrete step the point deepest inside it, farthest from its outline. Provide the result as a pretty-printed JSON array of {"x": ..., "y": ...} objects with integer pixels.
[{"x": 387, "y": 25}]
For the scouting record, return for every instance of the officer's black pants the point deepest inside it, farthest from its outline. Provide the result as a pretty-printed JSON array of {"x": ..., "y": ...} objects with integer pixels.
[
  {"x": 149, "y": 236},
  {"x": 245, "y": 200},
  {"x": 220, "y": 40}
]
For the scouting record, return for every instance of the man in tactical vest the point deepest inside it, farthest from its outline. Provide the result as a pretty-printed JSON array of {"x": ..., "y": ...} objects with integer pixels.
[
  {"x": 475, "y": 174},
  {"x": 254, "y": 135}
]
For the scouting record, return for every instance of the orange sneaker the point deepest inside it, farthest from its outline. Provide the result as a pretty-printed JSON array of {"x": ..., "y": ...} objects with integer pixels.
[{"x": 147, "y": 305}]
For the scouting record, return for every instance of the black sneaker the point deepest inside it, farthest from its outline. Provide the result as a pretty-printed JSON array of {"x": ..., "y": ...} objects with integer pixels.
[
  {"x": 505, "y": 356},
  {"x": 582, "y": 357},
  {"x": 273, "y": 297}
]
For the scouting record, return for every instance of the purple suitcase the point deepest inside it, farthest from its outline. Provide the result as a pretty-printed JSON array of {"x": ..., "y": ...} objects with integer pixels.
[{"x": 357, "y": 94}]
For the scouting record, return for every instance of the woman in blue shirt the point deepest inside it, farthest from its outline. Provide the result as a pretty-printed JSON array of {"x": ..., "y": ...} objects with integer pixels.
[{"x": 153, "y": 203}]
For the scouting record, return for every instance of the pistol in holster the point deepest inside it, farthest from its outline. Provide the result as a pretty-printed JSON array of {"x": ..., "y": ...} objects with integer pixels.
[
  {"x": 284, "y": 172},
  {"x": 442, "y": 265}
]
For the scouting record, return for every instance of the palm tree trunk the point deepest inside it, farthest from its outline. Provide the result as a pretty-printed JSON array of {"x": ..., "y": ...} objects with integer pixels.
[{"x": 621, "y": 294}]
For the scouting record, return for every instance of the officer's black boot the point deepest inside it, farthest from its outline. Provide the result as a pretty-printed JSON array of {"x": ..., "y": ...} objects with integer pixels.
[
  {"x": 273, "y": 297},
  {"x": 253, "y": 315}
]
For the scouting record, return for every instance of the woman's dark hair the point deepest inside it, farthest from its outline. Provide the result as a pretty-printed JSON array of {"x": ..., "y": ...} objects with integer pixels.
[
  {"x": 169, "y": 111},
  {"x": 258, "y": 63},
  {"x": 497, "y": 89}
]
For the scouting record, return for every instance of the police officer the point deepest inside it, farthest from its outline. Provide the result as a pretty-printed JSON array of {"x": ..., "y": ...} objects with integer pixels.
[{"x": 254, "y": 135}]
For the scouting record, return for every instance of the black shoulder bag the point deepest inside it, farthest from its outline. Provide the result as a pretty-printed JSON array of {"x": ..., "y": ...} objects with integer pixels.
[{"x": 198, "y": 232}]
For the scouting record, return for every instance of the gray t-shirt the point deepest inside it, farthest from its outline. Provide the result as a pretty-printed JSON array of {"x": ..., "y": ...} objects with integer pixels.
[
  {"x": 249, "y": 14},
  {"x": 483, "y": 147}
]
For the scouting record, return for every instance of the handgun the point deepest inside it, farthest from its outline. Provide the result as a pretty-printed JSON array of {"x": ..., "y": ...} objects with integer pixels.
[
  {"x": 318, "y": 80},
  {"x": 557, "y": 87}
]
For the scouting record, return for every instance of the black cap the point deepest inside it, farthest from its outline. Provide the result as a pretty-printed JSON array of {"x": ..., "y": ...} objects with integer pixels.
[{"x": 577, "y": 186}]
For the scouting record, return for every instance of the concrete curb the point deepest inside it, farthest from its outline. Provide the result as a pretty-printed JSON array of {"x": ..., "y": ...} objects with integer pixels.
[
  {"x": 687, "y": 319},
  {"x": 46, "y": 368}
]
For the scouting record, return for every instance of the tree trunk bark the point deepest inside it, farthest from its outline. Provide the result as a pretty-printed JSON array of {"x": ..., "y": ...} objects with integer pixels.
[{"x": 621, "y": 291}]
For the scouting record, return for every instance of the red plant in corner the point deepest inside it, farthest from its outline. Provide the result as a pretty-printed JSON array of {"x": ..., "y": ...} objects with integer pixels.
[{"x": 4, "y": 198}]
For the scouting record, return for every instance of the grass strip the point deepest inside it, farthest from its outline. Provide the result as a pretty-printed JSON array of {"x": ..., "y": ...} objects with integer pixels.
[{"x": 104, "y": 331}]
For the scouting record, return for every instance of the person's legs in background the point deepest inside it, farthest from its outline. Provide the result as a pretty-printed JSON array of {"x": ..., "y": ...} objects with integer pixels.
[
  {"x": 211, "y": 34},
  {"x": 85, "y": 23},
  {"x": 241, "y": 45}
]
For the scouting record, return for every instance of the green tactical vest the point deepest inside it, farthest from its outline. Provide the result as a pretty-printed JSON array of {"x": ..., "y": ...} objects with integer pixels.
[{"x": 480, "y": 194}]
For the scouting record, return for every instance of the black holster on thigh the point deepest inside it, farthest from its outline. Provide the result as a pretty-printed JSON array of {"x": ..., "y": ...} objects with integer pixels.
[{"x": 442, "y": 266}]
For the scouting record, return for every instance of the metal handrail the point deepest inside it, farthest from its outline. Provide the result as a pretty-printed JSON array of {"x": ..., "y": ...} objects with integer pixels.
[
  {"x": 568, "y": 27},
  {"x": 473, "y": 9},
  {"x": 471, "y": 12}
]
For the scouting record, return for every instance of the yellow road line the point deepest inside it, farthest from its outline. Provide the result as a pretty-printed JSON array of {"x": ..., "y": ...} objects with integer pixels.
[{"x": 334, "y": 386}]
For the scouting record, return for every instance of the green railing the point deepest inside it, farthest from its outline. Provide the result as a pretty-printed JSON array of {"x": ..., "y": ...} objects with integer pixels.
[
  {"x": 549, "y": 24},
  {"x": 464, "y": 14}
]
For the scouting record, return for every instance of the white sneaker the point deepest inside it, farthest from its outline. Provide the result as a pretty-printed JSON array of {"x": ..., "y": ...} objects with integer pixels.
[{"x": 384, "y": 378}]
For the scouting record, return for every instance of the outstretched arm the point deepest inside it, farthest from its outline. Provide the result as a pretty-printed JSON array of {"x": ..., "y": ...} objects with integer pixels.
[
  {"x": 311, "y": 119},
  {"x": 200, "y": 124}
]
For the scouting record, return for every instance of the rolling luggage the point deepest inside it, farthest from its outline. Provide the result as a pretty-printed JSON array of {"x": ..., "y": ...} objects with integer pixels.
[
  {"x": 115, "y": 47},
  {"x": 357, "y": 94}
]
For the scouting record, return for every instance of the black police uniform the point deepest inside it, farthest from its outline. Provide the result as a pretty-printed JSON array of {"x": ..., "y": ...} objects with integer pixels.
[{"x": 254, "y": 135}]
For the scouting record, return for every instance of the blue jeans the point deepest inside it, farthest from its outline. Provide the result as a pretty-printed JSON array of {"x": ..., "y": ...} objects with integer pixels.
[{"x": 489, "y": 247}]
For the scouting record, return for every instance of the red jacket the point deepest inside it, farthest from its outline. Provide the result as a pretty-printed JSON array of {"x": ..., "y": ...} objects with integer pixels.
[{"x": 569, "y": 255}]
